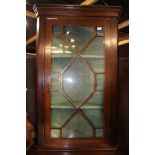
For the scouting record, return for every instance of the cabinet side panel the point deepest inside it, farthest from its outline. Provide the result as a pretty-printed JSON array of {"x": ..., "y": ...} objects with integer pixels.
[
  {"x": 111, "y": 81},
  {"x": 47, "y": 79},
  {"x": 40, "y": 78},
  {"x": 114, "y": 81}
]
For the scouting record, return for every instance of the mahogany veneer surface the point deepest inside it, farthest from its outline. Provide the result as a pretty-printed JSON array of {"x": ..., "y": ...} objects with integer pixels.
[{"x": 33, "y": 152}]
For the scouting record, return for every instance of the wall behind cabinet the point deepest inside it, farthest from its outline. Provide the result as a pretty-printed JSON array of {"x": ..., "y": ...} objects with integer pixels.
[
  {"x": 123, "y": 108},
  {"x": 31, "y": 88}
]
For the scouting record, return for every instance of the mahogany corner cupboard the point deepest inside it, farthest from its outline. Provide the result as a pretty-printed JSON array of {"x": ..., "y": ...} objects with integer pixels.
[{"x": 77, "y": 77}]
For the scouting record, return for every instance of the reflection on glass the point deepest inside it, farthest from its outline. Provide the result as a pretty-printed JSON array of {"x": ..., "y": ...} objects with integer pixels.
[
  {"x": 78, "y": 79},
  {"x": 93, "y": 109},
  {"x": 100, "y": 30},
  {"x": 77, "y": 127},
  {"x": 94, "y": 55},
  {"x": 62, "y": 53},
  {"x": 100, "y": 81},
  {"x": 55, "y": 133},
  {"x": 79, "y": 35}
]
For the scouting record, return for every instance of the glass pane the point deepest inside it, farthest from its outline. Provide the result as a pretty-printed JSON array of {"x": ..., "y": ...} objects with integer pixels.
[
  {"x": 55, "y": 133},
  {"x": 94, "y": 55},
  {"x": 60, "y": 116},
  {"x": 78, "y": 81},
  {"x": 55, "y": 80},
  {"x": 62, "y": 53},
  {"x": 99, "y": 132},
  {"x": 73, "y": 81},
  {"x": 58, "y": 100},
  {"x": 93, "y": 109},
  {"x": 78, "y": 36},
  {"x": 61, "y": 110},
  {"x": 100, "y": 81},
  {"x": 56, "y": 29},
  {"x": 77, "y": 127}
]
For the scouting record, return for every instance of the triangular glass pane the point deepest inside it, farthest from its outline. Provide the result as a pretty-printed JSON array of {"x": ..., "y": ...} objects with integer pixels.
[
  {"x": 78, "y": 36},
  {"x": 61, "y": 110},
  {"x": 61, "y": 54},
  {"x": 77, "y": 127},
  {"x": 93, "y": 109},
  {"x": 95, "y": 55}
]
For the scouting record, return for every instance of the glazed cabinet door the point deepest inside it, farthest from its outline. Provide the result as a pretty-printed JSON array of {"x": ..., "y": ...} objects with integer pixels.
[{"x": 77, "y": 78}]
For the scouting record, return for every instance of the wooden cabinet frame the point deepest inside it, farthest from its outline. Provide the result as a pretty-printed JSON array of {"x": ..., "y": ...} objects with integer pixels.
[{"x": 76, "y": 15}]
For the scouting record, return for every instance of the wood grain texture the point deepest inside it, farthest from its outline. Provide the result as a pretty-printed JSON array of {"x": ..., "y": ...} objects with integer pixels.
[
  {"x": 71, "y": 153},
  {"x": 33, "y": 151},
  {"x": 55, "y": 11},
  {"x": 40, "y": 79}
]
